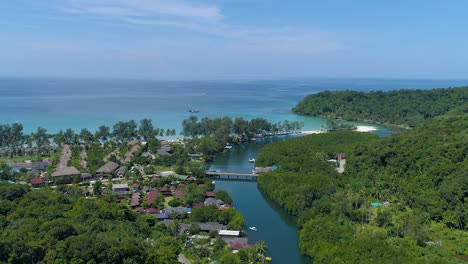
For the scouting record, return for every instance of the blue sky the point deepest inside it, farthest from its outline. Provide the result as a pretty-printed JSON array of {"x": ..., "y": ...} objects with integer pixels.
[{"x": 234, "y": 39}]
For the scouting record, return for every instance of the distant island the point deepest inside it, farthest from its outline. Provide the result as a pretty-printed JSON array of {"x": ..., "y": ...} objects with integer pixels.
[{"x": 407, "y": 108}]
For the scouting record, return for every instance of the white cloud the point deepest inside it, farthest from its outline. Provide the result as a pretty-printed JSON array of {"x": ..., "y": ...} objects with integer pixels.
[
  {"x": 207, "y": 20},
  {"x": 146, "y": 8}
]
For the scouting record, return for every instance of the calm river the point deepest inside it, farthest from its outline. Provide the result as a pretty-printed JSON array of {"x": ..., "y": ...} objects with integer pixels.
[{"x": 275, "y": 226}]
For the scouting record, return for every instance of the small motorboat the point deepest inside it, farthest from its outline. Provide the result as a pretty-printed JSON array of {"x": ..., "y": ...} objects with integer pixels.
[
  {"x": 228, "y": 147},
  {"x": 251, "y": 160},
  {"x": 268, "y": 259},
  {"x": 253, "y": 228},
  {"x": 193, "y": 111}
]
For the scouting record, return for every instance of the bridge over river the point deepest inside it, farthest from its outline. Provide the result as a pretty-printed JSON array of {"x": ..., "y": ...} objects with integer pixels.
[{"x": 231, "y": 175}]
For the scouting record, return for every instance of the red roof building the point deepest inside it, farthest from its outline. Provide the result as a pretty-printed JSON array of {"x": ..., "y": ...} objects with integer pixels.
[
  {"x": 151, "y": 197},
  {"x": 211, "y": 194},
  {"x": 238, "y": 246},
  {"x": 37, "y": 182},
  {"x": 179, "y": 194}
]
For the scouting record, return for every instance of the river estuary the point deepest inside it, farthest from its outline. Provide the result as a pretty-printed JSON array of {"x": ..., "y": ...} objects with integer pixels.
[{"x": 275, "y": 226}]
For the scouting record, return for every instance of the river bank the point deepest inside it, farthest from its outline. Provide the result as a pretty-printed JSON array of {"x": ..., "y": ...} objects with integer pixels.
[{"x": 275, "y": 226}]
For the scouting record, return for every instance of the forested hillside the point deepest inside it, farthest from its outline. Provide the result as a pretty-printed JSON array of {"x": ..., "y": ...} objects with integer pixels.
[
  {"x": 401, "y": 199},
  {"x": 404, "y": 107}
]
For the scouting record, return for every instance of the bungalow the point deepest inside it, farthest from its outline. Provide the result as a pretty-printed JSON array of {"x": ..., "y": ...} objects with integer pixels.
[
  {"x": 165, "y": 150},
  {"x": 191, "y": 179},
  {"x": 108, "y": 169},
  {"x": 236, "y": 246},
  {"x": 210, "y": 194},
  {"x": 195, "y": 205},
  {"x": 341, "y": 156},
  {"x": 135, "y": 203},
  {"x": 225, "y": 207},
  {"x": 179, "y": 194},
  {"x": 151, "y": 210},
  {"x": 151, "y": 197},
  {"x": 85, "y": 176},
  {"x": 229, "y": 233},
  {"x": 66, "y": 173},
  {"x": 129, "y": 155},
  {"x": 36, "y": 183},
  {"x": 166, "y": 191},
  {"x": 121, "y": 189},
  {"x": 210, "y": 201}
]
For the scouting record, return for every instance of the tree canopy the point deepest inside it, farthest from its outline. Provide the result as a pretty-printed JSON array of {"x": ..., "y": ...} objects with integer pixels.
[
  {"x": 403, "y": 107},
  {"x": 401, "y": 199}
]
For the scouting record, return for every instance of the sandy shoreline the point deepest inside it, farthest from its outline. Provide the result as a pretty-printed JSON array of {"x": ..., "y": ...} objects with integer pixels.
[
  {"x": 366, "y": 128},
  {"x": 358, "y": 129},
  {"x": 309, "y": 132}
]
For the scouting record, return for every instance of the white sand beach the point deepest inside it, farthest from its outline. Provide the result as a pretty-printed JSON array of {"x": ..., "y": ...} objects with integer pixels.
[
  {"x": 309, "y": 132},
  {"x": 366, "y": 128}
]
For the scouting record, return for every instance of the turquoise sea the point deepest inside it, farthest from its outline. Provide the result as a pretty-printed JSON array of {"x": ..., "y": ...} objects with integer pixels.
[{"x": 66, "y": 103}]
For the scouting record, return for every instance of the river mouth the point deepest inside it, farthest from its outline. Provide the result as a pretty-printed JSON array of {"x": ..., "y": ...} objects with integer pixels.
[{"x": 274, "y": 225}]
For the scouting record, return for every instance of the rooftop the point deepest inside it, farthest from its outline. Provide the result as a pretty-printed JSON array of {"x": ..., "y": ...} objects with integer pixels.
[
  {"x": 109, "y": 167},
  {"x": 67, "y": 171}
]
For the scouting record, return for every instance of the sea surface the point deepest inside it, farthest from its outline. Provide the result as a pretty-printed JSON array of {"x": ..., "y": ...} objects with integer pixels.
[{"x": 66, "y": 103}]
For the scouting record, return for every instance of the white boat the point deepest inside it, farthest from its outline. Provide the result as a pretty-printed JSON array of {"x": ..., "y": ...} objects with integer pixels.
[
  {"x": 228, "y": 147},
  {"x": 252, "y": 160},
  {"x": 253, "y": 228}
]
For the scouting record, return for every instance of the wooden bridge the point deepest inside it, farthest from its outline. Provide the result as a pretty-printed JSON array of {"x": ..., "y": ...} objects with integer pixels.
[{"x": 231, "y": 175}]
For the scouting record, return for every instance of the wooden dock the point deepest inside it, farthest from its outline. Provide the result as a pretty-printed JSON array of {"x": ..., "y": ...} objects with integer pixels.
[{"x": 231, "y": 175}]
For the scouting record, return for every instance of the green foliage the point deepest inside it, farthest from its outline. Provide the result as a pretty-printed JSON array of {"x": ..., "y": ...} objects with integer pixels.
[
  {"x": 403, "y": 107},
  {"x": 230, "y": 217},
  {"x": 421, "y": 173},
  {"x": 60, "y": 226},
  {"x": 224, "y": 196}
]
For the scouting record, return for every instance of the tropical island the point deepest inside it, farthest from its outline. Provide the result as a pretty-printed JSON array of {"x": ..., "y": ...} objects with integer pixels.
[{"x": 363, "y": 199}]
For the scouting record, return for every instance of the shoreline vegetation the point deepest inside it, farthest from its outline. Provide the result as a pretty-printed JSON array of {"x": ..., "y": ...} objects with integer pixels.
[
  {"x": 401, "y": 108},
  {"x": 398, "y": 199}
]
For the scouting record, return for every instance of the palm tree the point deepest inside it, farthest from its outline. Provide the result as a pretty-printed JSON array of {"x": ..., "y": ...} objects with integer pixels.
[{"x": 261, "y": 247}]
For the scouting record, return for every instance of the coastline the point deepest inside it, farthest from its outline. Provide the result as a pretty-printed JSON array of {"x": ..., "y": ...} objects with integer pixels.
[{"x": 366, "y": 128}]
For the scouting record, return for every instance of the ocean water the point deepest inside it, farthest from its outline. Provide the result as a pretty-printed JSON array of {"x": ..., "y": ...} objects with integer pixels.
[{"x": 66, "y": 103}]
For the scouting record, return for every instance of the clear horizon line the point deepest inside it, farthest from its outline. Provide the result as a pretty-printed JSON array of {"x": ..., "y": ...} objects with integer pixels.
[{"x": 222, "y": 79}]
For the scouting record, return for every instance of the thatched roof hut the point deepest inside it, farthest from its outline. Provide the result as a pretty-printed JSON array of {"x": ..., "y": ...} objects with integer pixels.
[
  {"x": 109, "y": 167},
  {"x": 66, "y": 171}
]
